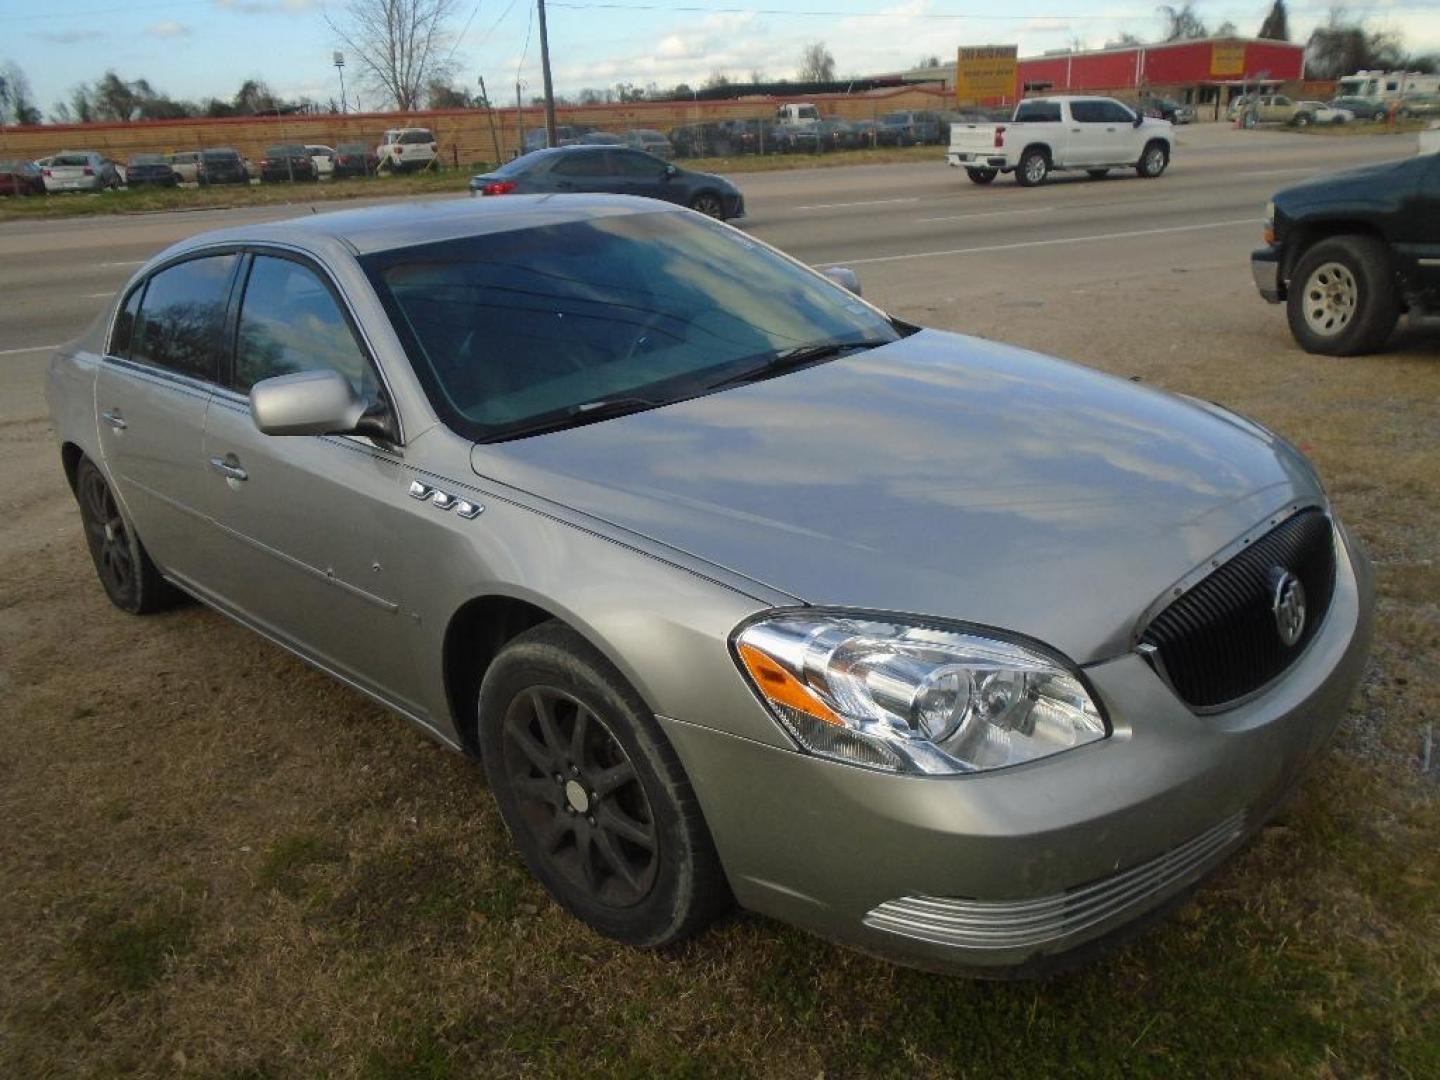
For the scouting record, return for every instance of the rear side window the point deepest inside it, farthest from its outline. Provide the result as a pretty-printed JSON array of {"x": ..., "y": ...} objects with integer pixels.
[
  {"x": 71, "y": 159},
  {"x": 125, "y": 324},
  {"x": 182, "y": 316},
  {"x": 290, "y": 322},
  {"x": 417, "y": 137},
  {"x": 1042, "y": 112}
]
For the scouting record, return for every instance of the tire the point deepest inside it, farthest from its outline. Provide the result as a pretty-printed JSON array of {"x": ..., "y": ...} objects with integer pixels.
[
  {"x": 1342, "y": 297},
  {"x": 593, "y": 795},
  {"x": 709, "y": 204},
  {"x": 982, "y": 176},
  {"x": 126, "y": 572},
  {"x": 1302, "y": 120},
  {"x": 1097, "y": 174},
  {"x": 1034, "y": 167},
  {"x": 1154, "y": 160}
]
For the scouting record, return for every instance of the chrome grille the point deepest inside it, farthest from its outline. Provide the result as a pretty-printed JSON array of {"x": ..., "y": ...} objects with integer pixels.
[
  {"x": 1013, "y": 924},
  {"x": 1218, "y": 642}
]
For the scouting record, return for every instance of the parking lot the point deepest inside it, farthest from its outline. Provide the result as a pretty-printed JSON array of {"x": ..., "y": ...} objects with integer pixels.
[{"x": 219, "y": 862}]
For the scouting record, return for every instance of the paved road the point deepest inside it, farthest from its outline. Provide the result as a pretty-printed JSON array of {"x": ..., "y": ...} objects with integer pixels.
[{"x": 928, "y": 244}]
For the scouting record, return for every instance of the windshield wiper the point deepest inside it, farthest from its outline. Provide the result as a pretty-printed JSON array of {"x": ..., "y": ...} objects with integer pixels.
[
  {"x": 778, "y": 363},
  {"x": 587, "y": 412}
]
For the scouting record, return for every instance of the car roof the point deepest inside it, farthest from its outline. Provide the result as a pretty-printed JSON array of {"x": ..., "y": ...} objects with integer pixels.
[{"x": 371, "y": 229}]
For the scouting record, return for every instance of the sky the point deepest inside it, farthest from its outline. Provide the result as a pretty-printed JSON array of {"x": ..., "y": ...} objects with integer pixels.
[{"x": 194, "y": 49}]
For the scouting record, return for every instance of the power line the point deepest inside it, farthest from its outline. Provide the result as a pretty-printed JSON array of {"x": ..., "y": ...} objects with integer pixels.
[
  {"x": 463, "y": 31},
  {"x": 988, "y": 16}
]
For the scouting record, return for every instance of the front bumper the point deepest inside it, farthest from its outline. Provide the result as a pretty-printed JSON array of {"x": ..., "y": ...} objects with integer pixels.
[
  {"x": 1265, "y": 269},
  {"x": 1005, "y": 872},
  {"x": 734, "y": 205}
]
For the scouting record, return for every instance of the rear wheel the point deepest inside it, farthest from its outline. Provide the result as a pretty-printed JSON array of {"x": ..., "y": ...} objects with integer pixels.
[
  {"x": 129, "y": 577},
  {"x": 981, "y": 176},
  {"x": 1342, "y": 299},
  {"x": 1303, "y": 119},
  {"x": 593, "y": 794},
  {"x": 709, "y": 204},
  {"x": 1034, "y": 168}
]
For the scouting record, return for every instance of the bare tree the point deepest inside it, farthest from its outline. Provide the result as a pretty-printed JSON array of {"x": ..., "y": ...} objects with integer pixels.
[
  {"x": 1344, "y": 45},
  {"x": 1124, "y": 40},
  {"x": 817, "y": 64},
  {"x": 1276, "y": 26},
  {"x": 16, "y": 106},
  {"x": 399, "y": 45},
  {"x": 1182, "y": 23}
]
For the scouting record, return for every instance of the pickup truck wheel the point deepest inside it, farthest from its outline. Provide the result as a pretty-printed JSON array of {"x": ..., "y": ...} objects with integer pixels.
[
  {"x": 1342, "y": 299},
  {"x": 1302, "y": 120},
  {"x": 981, "y": 176},
  {"x": 1097, "y": 174},
  {"x": 1034, "y": 168},
  {"x": 1153, "y": 160},
  {"x": 593, "y": 794}
]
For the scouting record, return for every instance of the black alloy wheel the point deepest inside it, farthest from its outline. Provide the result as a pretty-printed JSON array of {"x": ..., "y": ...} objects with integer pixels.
[
  {"x": 709, "y": 204},
  {"x": 131, "y": 580}
]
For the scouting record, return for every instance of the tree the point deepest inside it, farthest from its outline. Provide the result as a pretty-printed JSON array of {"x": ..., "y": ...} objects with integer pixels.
[
  {"x": 399, "y": 45},
  {"x": 16, "y": 104},
  {"x": 1276, "y": 26},
  {"x": 1124, "y": 41},
  {"x": 1181, "y": 23},
  {"x": 1344, "y": 45},
  {"x": 1226, "y": 29},
  {"x": 928, "y": 61},
  {"x": 439, "y": 94},
  {"x": 716, "y": 80},
  {"x": 817, "y": 64},
  {"x": 757, "y": 77}
]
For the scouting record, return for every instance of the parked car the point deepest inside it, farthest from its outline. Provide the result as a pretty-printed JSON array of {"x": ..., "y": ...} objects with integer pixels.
[
  {"x": 356, "y": 159},
  {"x": 187, "y": 166},
  {"x": 837, "y": 135},
  {"x": 1347, "y": 253},
  {"x": 650, "y": 141},
  {"x": 151, "y": 169},
  {"x": 802, "y": 137},
  {"x": 612, "y": 170},
  {"x": 1361, "y": 108},
  {"x": 21, "y": 178},
  {"x": 1269, "y": 109},
  {"x": 324, "y": 159},
  {"x": 565, "y": 135},
  {"x": 702, "y": 140},
  {"x": 407, "y": 149},
  {"x": 287, "y": 162},
  {"x": 81, "y": 170},
  {"x": 1318, "y": 112},
  {"x": 913, "y": 128},
  {"x": 737, "y": 587},
  {"x": 872, "y": 133},
  {"x": 1418, "y": 107},
  {"x": 222, "y": 165},
  {"x": 1045, "y": 134},
  {"x": 600, "y": 138},
  {"x": 749, "y": 136},
  {"x": 1167, "y": 109}
]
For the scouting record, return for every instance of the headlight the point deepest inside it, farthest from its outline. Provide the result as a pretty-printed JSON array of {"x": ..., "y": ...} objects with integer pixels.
[{"x": 912, "y": 698}]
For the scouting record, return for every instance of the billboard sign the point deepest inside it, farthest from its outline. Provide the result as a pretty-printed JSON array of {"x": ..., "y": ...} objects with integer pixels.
[
  {"x": 1227, "y": 58},
  {"x": 985, "y": 72}
]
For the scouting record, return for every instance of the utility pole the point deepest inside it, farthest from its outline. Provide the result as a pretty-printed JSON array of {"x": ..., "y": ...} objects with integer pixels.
[
  {"x": 490, "y": 115},
  {"x": 519, "y": 123},
  {"x": 550, "y": 137}
]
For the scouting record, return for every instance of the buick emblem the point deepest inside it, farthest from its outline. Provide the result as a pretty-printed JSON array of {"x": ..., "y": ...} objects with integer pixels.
[{"x": 1288, "y": 604}]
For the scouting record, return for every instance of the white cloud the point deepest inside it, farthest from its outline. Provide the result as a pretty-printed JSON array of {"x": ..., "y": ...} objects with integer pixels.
[
  {"x": 267, "y": 7},
  {"x": 168, "y": 29}
]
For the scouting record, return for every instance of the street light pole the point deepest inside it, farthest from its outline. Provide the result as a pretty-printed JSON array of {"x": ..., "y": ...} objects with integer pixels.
[
  {"x": 339, "y": 62},
  {"x": 550, "y": 136}
]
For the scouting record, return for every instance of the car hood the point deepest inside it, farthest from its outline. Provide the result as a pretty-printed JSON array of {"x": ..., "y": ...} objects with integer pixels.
[
  {"x": 1347, "y": 179},
  {"x": 938, "y": 475}
]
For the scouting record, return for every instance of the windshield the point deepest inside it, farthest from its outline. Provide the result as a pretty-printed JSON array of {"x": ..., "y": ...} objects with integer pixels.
[{"x": 508, "y": 328}]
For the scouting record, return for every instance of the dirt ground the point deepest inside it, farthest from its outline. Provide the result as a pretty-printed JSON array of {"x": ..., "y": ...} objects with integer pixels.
[{"x": 216, "y": 862}]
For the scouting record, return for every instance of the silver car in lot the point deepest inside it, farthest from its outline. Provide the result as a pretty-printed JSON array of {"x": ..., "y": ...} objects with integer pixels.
[
  {"x": 81, "y": 170},
  {"x": 740, "y": 589}
]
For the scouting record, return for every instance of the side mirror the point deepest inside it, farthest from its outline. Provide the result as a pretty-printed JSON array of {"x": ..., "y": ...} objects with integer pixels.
[
  {"x": 670, "y": 171},
  {"x": 1139, "y": 119},
  {"x": 844, "y": 277},
  {"x": 314, "y": 403}
]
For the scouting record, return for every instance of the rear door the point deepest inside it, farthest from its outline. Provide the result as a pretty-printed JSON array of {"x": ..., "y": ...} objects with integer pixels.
[
  {"x": 584, "y": 170},
  {"x": 309, "y": 524},
  {"x": 151, "y": 396}
]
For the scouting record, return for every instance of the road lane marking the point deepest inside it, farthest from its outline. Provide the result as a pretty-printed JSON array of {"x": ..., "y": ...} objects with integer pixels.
[
  {"x": 1252, "y": 221},
  {"x": 31, "y": 348},
  {"x": 870, "y": 202},
  {"x": 93, "y": 295},
  {"x": 990, "y": 213},
  {"x": 131, "y": 262}
]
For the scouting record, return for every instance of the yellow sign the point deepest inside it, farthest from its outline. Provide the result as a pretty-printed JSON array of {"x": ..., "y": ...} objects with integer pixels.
[
  {"x": 1227, "y": 59},
  {"x": 983, "y": 72}
]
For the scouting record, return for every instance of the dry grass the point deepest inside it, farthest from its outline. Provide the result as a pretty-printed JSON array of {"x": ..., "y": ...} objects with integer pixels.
[{"x": 218, "y": 863}]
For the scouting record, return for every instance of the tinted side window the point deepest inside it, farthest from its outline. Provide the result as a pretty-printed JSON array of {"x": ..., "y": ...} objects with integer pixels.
[
  {"x": 580, "y": 165},
  {"x": 1088, "y": 112},
  {"x": 182, "y": 315},
  {"x": 1116, "y": 113},
  {"x": 290, "y": 322},
  {"x": 1038, "y": 112},
  {"x": 125, "y": 324},
  {"x": 636, "y": 165}
]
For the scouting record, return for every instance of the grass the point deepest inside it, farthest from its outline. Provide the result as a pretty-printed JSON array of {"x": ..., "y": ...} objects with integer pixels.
[
  {"x": 453, "y": 181},
  {"x": 1355, "y": 129},
  {"x": 217, "y": 863}
]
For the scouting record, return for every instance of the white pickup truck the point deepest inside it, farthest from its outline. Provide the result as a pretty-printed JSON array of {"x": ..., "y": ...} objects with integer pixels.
[{"x": 1092, "y": 133}]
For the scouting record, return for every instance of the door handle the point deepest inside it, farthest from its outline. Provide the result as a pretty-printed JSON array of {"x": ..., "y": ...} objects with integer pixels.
[
  {"x": 1074, "y": 131},
  {"x": 229, "y": 468},
  {"x": 114, "y": 419}
]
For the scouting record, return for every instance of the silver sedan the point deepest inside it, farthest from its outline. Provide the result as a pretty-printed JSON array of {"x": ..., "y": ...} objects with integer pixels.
[{"x": 740, "y": 589}]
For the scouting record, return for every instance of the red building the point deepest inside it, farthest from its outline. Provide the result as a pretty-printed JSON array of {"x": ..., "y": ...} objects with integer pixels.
[{"x": 1204, "y": 72}]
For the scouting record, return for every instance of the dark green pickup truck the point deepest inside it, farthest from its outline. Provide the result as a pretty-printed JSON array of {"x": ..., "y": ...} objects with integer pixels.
[{"x": 1348, "y": 253}]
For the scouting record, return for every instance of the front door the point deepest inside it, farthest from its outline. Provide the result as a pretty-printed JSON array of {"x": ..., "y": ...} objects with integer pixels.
[
  {"x": 151, "y": 396},
  {"x": 1087, "y": 134},
  {"x": 309, "y": 523},
  {"x": 643, "y": 175}
]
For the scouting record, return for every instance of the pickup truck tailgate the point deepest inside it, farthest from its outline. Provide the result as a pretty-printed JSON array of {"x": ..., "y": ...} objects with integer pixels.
[{"x": 972, "y": 138}]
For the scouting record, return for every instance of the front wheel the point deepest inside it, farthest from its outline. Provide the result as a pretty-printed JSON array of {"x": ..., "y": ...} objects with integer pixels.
[
  {"x": 709, "y": 204},
  {"x": 593, "y": 794},
  {"x": 982, "y": 176},
  {"x": 1342, "y": 299},
  {"x": 1303, "y": 120},
  {"x": 1034, "y": 168},
  {"x": 1153, "y": 160},
  {"x": 129, "y": 578}
]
